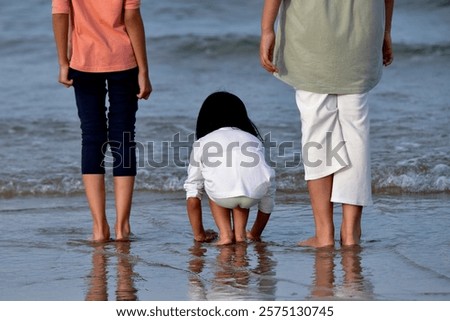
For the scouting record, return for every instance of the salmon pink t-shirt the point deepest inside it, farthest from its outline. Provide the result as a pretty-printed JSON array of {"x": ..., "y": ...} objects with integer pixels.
[{"x": 99, "y": 39}]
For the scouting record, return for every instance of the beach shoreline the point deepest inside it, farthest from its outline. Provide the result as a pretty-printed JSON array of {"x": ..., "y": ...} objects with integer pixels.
[
  {"x": 46, "y": 223},
  {"x": 50, "y": 258}
]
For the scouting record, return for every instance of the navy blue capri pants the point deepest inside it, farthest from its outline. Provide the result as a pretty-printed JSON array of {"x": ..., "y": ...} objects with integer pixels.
[{"x": 102, "y": 126}]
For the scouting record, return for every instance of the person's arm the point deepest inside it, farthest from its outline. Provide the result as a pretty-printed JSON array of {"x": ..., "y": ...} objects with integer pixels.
[
  {"x": 194, "y": 209},
  {"x": 194, "y": 191},
  {"x": 61, "y": 33},
  {"x": 136, "y": 32},
  {"x": 388, "y": 53},
  {"x": 258, "y": 226},
  {"x": 265, "y": 208},
  {"x": 267, "y": 43}
]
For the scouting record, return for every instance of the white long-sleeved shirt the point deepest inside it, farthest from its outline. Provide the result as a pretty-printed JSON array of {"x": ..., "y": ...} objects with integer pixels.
[{"x": 228, "y": 163}]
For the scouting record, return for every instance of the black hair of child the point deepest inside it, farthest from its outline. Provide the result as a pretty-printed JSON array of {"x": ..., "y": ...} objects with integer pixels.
[{"x": 223, "y": 109}]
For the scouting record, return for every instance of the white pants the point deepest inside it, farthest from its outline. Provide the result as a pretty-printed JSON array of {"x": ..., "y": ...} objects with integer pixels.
[{"x": 335, "y": 140}]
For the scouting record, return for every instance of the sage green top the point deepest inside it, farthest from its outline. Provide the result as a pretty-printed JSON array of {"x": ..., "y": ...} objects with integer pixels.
[{"x": 330, "y": 46}]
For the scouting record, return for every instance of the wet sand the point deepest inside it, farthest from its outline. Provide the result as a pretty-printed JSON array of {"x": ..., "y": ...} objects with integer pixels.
[{"x": 403, "y": 255}]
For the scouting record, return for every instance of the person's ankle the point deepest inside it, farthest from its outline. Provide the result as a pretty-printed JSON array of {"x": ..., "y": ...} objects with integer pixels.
[
  {"x": 123, "y": 231},
  {"x": 317, "y": 242},
  {"x": 225, "y": 240},
  {"x": 100, "y": 233},
  {"x": 350, "y": 238},
  {"x": 350, "y": 241},
  {"x": 239, "y": 238}
]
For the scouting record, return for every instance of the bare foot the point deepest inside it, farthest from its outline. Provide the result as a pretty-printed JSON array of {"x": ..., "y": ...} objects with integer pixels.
[
  {"x": 123, "y": 233},
  {"x": 353, "y": 239},
  {"x": 315, "y": 242},
  {"x": 99, "y": 241},
  {"x": 224, "y": 241},
  {"x": 354, "y": 242},
  {"x": 131, "y": 237},
  {"x": 100, "y": 235},
  {"x": 240, "y": 238},
  {"x": 124, "y": 238}
]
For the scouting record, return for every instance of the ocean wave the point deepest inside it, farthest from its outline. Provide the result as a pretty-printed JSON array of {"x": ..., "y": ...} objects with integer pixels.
[
  {"x": 413, "y": 178},
  {"x": 176, "y": 47},
  {"x": 192, "y": 45},
  {"x": 422, "y": 4},
  {"x": 397, "y": 180},
  {"x": 195, "y": 46},
  {"x": 58, "y": 185},
  {"x": 407, "y": 49}
]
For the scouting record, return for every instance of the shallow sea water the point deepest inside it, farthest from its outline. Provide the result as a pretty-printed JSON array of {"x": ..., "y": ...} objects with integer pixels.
[
  {"x": 195, "y": 49},
  {"x": 49, "y": 258}
]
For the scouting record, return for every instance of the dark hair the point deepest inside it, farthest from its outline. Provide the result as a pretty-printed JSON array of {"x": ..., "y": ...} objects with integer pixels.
[{"x": 223, "y": 109}]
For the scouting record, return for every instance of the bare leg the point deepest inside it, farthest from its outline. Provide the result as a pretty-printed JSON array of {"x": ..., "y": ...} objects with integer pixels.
[
  {"x": 94, "y": 185},
  {"x": 351, "y": 224},
  {"x": 240, "y": 218},
  {"x": 123, "y": 192},
  {"x": 222, "y": 218},
  {"x": 320, "y": 195}
]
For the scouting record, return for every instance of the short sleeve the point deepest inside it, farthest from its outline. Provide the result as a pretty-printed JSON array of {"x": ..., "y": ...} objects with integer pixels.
[
  {"x": 60, "y": 6},
  {"x": 132, "y": 4}
]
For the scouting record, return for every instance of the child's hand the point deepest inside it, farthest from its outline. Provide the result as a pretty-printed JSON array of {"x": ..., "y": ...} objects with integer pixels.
[
  {"x": 266, "y": 48},
  {"x": 145, "y": 86},
  {"x": 64, "y": 76},
  {"x": 207, "y": 236},
  {"x": 211, "y": 235},
  {"x": 388, "y": 54}
]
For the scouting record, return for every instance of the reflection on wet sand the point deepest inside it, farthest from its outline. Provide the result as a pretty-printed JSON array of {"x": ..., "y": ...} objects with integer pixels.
[
  {"x": 98, "y": 285},
  {"x": 232, "y": 268},
  {"x": 232, "y": 272},
  {"x": 327, "y": 282},
  {"x": 323, "y": 286},
  {"x": 198, "y": 289},
  {"x": 265, "y": 270}
]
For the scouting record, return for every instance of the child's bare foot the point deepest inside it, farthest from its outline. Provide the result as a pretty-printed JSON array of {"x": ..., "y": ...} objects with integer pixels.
[
  {"x": 123, "y": 238},
  {"x": 350, "y": 242},
  {"x": 131, "y": 237},
  {"x": 224, "y": 241},
  {"x": 315, "y": 242},
  {"x": 96, "y": 242},
  {"x": 123, "y": 233},
  {"x": 99, "y": 241},
  {"x": 351, "y": 239},
  {"x": 100, "y": 234},
  {"x": 240, "y": 238}
]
